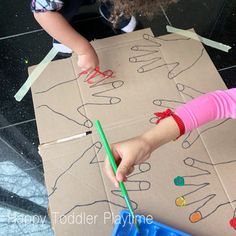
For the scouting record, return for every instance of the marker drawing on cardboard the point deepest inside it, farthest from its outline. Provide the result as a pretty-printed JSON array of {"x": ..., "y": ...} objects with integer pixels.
[
  {"x": 150, "y": 56},
  {"x": 100, "y": 96},
  {"x": 89, "y": 156},
  {"x": 136, "y": 185},
  {"x": 204, "y": 202},
  {"x": 193, "y": 136},
  {"x": 146, "y": 75}
]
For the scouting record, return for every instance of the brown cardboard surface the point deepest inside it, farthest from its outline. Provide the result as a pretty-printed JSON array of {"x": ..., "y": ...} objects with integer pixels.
[
  {"x": 74, "y": 171},
  {"x": 50, "y": 99},
  {"x": 150, "y": 74},
  {"x": 156, "y": 177}
]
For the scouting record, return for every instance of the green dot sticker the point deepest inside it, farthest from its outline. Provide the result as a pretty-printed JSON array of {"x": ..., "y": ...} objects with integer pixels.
[{"x": 179, "y": 181}]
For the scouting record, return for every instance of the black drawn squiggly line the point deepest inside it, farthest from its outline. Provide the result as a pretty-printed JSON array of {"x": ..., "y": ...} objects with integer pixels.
[
  {"x": 189, "y": 161},
  {"x": 105, "y": 77},
  {"x": 153, "y": 49},
  {"x": 209, "y": 198},
  {"x": 142, "y": 185},
  {"x": 158, "y": 102},
  {"x": 59, "y": 114},
  {"x": 97, "y": 145},
  {"x": 181, "y": 88},
  {"x": 187, "y": 68},
  {"x": 186, "y": 144},
  {"x": 91, "y": 204},
  {"x": 56, "y": 85},
  {"x": 118, "y": 194},
  {"x": 111, "y": 100}
]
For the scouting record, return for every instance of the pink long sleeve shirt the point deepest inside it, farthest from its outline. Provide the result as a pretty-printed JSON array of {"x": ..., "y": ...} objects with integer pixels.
[{"x": 208, "y": 107}]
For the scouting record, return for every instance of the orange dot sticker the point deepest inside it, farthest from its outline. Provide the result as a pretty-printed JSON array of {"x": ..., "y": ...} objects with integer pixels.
[{"x": 195, "y": 217}]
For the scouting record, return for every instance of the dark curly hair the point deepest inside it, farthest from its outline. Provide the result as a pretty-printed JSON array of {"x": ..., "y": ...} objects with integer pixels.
[{"x": 132, "y": 7}]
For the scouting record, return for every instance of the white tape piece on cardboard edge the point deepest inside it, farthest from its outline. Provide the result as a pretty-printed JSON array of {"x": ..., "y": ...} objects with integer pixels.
[
  {"x": 193, "y": 35},
  {"x": 35, "y": 74}
]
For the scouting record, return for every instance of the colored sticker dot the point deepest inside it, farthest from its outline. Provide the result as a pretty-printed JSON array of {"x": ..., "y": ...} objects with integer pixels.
[
  {"x": 180, "y": 202},
  {"x": 232, "y": 222},
  {"x": 195, "y": 217},
  {"x": 179, "y": 181}
]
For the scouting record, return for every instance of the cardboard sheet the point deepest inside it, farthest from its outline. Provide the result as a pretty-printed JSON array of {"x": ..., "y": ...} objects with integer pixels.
[{"x": 144, "y": 75}]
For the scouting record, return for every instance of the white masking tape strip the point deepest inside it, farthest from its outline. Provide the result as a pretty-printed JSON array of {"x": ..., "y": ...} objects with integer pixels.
[
  {"x": 35, "y": 74},
  {"x": 195, "y": 36}
]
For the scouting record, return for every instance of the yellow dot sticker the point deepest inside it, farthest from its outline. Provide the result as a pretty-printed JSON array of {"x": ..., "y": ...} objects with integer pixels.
[{"x": 180, "y": 202}]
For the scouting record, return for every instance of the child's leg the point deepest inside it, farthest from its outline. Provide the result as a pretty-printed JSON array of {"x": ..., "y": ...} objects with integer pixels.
[
  {"x": 70, "y": 9},
  {"x": 124, "y": 23}
]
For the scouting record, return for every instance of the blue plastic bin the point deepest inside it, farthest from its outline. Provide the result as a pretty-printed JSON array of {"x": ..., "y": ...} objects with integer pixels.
[{"x": 148, "y": 227}]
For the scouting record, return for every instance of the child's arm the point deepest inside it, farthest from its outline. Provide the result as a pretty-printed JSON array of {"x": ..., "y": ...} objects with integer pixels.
[
  {"x": 199, "y": 111},
  {"x": 137, "y": 150},
  {"x": 211, "y": 106},
  {"x": 57, "y": 26}
]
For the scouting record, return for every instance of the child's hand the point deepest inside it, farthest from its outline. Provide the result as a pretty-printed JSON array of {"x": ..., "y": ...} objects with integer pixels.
[
  {"x": 127, "y": 154},
  {"x": 137, "y": 150},
  {"x": 58, "y": 27},
  {"x": 88, "y": 61}
]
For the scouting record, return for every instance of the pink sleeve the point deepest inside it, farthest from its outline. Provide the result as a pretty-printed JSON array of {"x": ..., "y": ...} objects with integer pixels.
[{"x": 208, "y": 107}]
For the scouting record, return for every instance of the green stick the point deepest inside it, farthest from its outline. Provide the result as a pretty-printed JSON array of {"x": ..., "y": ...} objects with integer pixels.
[{"x": 114, "y": 167}]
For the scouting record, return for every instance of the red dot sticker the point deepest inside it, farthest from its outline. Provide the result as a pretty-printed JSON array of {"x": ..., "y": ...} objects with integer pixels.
[{"x": 232, "y": 222}]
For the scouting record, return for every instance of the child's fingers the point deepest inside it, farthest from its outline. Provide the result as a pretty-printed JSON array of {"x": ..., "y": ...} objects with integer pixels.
[
  {"x": 130, "y": 170},
  {"x": 115, "y": 153},
  {"x": 109, "y": 172},
  {"x": 124, "y": 168},
  {"x": 87, "y": 70}
]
